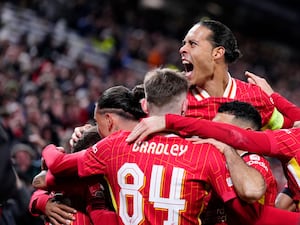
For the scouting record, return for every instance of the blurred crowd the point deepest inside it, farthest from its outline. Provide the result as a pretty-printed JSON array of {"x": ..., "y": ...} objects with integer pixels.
[{"x": 57, "y": 57}]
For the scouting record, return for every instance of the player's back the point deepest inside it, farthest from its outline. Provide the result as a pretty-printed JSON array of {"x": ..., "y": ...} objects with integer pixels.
[
  {"x": 204, "y": 106},
  {"x": 165, "y": 179}
]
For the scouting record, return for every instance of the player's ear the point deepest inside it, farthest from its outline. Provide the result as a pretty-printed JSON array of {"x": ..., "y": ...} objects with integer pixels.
[
  {"x": 144, "y": 105},
  {"x": 218, "y": 52},
  {"x": 109, "y": 121}
]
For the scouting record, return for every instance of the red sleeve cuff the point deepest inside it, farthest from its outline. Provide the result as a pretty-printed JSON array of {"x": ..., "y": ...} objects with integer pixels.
[
  {"x": 38, "y": 201},
  {"x": 42, "y": 201}
]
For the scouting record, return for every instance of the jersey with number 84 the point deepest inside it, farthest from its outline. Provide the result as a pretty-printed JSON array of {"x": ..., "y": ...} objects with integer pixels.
[{"x": 166, "y": 180}]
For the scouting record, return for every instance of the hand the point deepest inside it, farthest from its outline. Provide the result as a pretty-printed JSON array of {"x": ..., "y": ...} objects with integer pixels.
[
  {"x": 222, "y": 147},
  {"x": 146, "y": 127},
  {"x": 58, "y": 213},
  {"x": 89, "y": 137},
  {"x": 39, "y": 181},
  {"x": 196, "y": 140},
  {"x": 78, "y": 132},
  {"x": 261, "y": 82},
  {"x": 296, "y": 123}
]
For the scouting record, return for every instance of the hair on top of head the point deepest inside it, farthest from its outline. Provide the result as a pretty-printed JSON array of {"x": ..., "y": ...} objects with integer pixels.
[
  {"x": 163, "y": 84},
  {"x": 242, "y": 110},
  {"x": 122, "y": 98},
  {"x": 138, "y": 92},
  {"x": 223, "y": 36},
  {"x": 88, "y": 138}
]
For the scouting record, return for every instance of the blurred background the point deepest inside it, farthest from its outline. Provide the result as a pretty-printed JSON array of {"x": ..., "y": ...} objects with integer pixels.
[{"x": 57, "y": 57}]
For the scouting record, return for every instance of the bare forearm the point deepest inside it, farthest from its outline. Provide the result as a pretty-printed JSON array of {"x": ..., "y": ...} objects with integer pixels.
[{"x": 248, "y": 182}]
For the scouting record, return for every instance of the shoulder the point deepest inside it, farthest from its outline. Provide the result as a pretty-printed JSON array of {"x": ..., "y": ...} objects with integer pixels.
[
  {"x": 210, "y": 151},
  {"x": 112, "y": 139},
  {"x": 252, "y": 93},
  {"x": 119, "y": 134},
  {"x": 248, "y": 86}
]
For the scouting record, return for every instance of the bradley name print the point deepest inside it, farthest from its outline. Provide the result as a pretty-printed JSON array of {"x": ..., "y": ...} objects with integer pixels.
[{"x": 160, "y": 148}]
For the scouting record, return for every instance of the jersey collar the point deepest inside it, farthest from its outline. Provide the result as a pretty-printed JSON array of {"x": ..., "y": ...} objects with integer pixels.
[{"x": 230, "y": 90}]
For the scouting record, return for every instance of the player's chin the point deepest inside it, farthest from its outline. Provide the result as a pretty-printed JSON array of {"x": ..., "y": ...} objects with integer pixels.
[
  {"x": 189, "y": 76},
  {"x": 191, "y": 79}
]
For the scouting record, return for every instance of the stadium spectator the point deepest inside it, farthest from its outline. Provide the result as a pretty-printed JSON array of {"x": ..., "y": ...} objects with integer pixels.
[
  {"x": 7, "y": 175},
  {"x": 23, "y": 157}
]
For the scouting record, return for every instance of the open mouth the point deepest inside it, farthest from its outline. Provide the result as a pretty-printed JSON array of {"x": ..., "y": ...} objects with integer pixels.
[{"x": 188, "y": 67}]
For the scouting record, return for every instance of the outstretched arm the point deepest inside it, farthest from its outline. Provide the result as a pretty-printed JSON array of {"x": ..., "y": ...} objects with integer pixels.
[
  {"x": 61, "y": 164},
  {"x": 238, "y": 138}
]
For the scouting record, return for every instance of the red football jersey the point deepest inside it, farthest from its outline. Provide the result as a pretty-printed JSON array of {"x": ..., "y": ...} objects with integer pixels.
[
  {"x": 215, "y": 213},
  {"x": 283, "y": 144},
  {"x": 201, "y": 105},
  {"x": 164, "y": 180},
  {"x": 88, "y": 195}
]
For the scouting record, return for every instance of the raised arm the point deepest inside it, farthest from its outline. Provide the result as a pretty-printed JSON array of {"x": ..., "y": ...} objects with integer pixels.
[{"x": 284, "y": 106}]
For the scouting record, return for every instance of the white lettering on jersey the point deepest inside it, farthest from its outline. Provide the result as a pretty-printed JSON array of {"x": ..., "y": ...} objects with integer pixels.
[
  {"x": 160, "y": 148},
  {"x": 173, "y": 204},
  {"x": 254, "y": 157},
  {"x": 261, "y": 164},
  {"x": 255, "y": 160}
]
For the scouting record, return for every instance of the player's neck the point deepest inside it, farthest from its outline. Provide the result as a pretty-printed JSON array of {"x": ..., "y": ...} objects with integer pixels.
[
  {"x": 127, "y": 125},
  {"x": 217, "y": 85}
]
